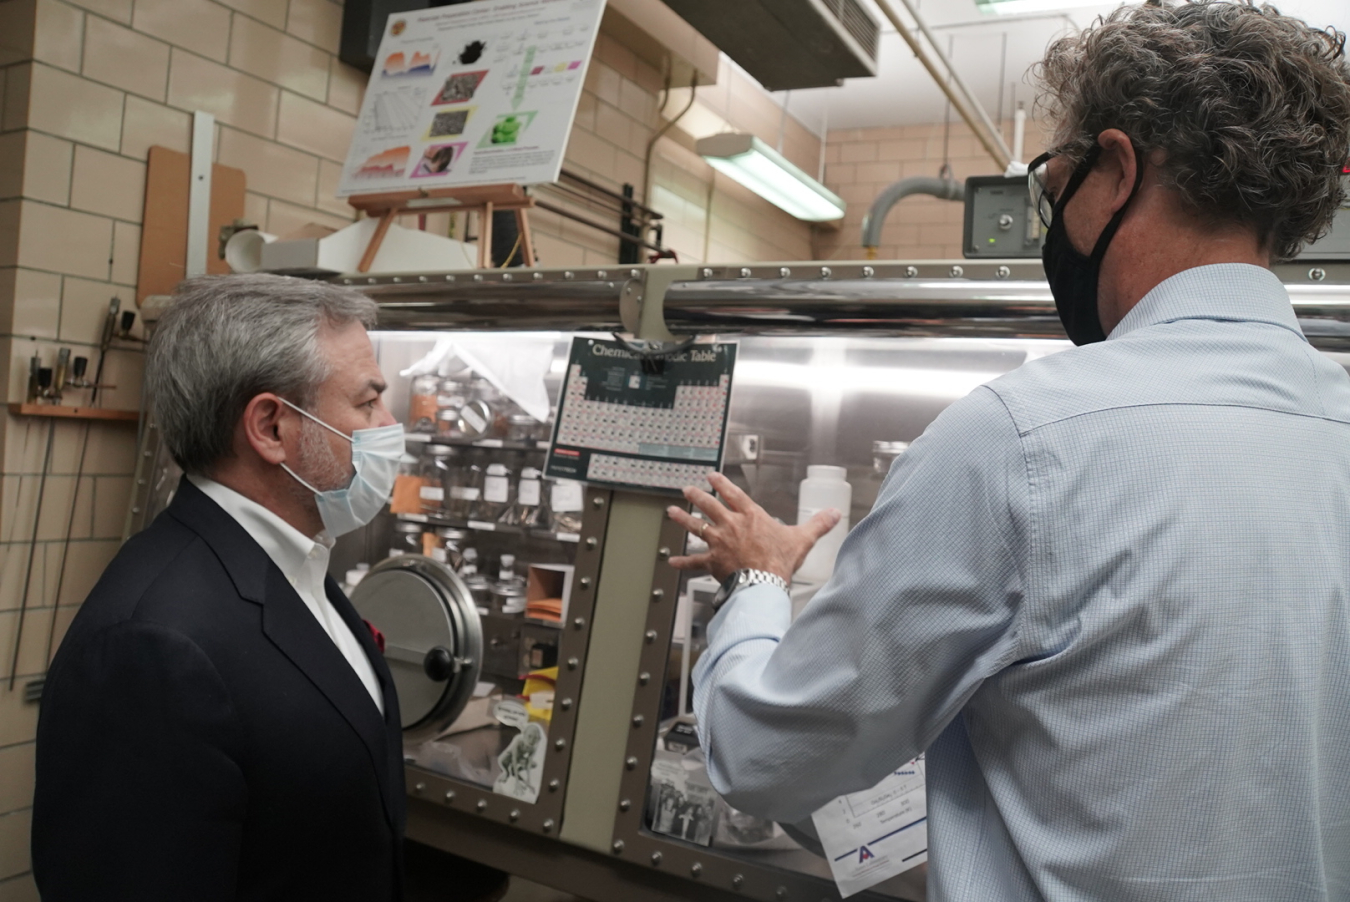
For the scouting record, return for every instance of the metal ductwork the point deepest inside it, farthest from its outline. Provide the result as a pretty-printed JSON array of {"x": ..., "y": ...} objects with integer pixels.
[
  {"x": 788, "y": 44},
  {"x": 945, "y": 189}
]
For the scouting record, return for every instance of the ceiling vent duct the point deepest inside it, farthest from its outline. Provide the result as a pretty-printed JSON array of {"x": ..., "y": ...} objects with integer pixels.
[{"x": 788, "y": 44}]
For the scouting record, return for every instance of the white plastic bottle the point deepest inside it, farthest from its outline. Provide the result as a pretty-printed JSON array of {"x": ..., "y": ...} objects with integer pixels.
[{"x": 824, "y": 487}]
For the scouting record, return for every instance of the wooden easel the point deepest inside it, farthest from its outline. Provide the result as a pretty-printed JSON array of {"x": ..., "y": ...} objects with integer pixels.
[{"x": 483, "y": 199}]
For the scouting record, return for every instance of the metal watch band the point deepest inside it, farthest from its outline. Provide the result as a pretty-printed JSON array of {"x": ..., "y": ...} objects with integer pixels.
[{"x": 744, "y": 578}]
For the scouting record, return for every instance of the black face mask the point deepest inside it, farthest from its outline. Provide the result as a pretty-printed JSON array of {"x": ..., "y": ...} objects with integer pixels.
[{"x": 1072, "y": 276}]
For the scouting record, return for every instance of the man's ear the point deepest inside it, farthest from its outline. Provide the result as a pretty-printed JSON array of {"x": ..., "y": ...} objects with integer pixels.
[
  {"x": 1120, "y": 162},
  {"x": 267, "y": 427}
]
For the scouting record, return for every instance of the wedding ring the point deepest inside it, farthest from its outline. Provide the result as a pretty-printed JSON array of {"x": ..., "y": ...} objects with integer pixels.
[{"x": 702, "y": 529}]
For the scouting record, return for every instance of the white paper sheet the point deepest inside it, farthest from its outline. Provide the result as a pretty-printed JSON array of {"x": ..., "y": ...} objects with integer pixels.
[{"x": 873, "y": 835}]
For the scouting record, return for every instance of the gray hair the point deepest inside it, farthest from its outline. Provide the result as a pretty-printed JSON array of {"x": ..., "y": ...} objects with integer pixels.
[
  {"x": 1249, "y": 109},
  {"x": 227, "y": 339}
]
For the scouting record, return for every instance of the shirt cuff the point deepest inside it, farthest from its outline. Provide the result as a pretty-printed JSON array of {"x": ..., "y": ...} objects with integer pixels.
[{"x": 761, "y": 611}]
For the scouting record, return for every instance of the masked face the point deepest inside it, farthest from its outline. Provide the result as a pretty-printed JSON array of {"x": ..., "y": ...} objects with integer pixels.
[
  {"x": 354, "y": 502},
  {"x": 1072, "y": 276}
]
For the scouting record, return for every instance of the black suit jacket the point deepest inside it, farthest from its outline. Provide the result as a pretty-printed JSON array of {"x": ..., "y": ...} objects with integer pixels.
[{"x": 202, "y": 738}]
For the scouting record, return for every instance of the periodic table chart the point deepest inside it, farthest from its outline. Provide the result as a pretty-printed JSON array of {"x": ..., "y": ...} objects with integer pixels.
[{"x": 622, "y": 425}]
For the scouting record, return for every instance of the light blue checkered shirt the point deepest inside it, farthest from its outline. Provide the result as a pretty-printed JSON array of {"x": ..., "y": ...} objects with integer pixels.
[{"x": 1109, "y": 593}]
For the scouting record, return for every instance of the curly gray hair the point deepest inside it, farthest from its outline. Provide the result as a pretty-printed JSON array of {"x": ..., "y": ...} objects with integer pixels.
[
  {"x": 227, "y": 339},
  {"x": 1249, "y": 109}
]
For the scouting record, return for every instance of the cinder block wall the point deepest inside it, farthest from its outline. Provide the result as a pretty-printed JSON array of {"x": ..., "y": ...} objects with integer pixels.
[{"x": 861, "y": 162}]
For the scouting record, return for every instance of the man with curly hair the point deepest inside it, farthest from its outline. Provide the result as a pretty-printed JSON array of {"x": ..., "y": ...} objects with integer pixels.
[{"x": 1109, "y": 592}]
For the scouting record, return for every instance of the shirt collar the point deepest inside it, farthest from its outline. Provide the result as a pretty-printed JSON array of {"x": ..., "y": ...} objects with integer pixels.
[
  {"x": 288, "y": 547},
  {"x": 1231, "y": 292}
]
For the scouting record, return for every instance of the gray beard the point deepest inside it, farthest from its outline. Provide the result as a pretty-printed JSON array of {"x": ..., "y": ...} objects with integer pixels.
[{"x": 318, "y": 465}]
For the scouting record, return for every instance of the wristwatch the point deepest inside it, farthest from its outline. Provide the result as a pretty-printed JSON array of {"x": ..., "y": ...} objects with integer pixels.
[{"x": 739, "y": 579}]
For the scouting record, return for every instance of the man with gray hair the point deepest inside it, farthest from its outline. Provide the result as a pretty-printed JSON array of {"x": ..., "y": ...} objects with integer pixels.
[
  {"x": 218, "y": 723},
  {"x": 1109, "y": 592}
]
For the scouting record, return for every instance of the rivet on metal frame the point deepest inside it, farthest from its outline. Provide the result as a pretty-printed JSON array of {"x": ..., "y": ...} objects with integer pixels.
[
  {"x": 784, "y": 272},
  {"x": 514, "y": 815},
  {"x": 420, "y": 788},
  {"x": 346, "y": 281},
  {"x": 539, "y": 277},
  {"x": 572, "y": 663},
  {"x": 868, "y": 272},
  {"x": 651, "y": 636},
  {"x": 638, "y": 720},
  {"x": 560, "y": 744},
  {"x": 601, "y": 274},
  {"x": 397, "y": 279},
  {"x": 478, "y": 277},
  {"x": 507, "y": 277},
  {"x": 1317, "y": 273},
  {"x": 737, "y": 881},
  {"x": 745, "y": 272},
  {"x": 554, "y": 785},
  {"x": 1002, "y": 272},
  {"x": 780, "y": 893},
  {"x": 422, "y": 279},
  {"x": 826, "y": 272},
  {"x": 957, "y": 272},
  {"x": 630, "y": 763},
  {"x": 911, "y": 272},
  {"x": 569, "y": 275},
  {"x": 617, "y": 847},
  {"x": 705, "y": 273},
  {"x": 481, "y": 806},
  {"x": 625, "y": 804},
  {"x": 585, "y": 582},
  {"x": 663, "y": 553},
  {"x": 657, "y": 595},
  {"x": 644, "y": 678},
  {"x": 579, "y": 623},
  {"x": 547, "y": 826},
  {"x": 696, "y": 870},
  {"x": 449, "y": 796},
  {"x": 565, "y": 704},
  {"x": 634, "y": 273},
  {"x": 372, "y": 281},
  {"x": 598, "y": 502},
  {"x": 656, "y": 859},
  {"x": 592, "y": 542},
  {"x": 449, "y": 278}
]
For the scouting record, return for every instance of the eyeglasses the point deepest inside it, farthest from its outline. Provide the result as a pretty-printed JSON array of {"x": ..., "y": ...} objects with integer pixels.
[{"x": 1041, "y": 198}]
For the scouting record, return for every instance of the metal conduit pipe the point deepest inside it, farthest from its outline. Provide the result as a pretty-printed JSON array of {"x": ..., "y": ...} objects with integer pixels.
[{"x": 945, "y": 189}]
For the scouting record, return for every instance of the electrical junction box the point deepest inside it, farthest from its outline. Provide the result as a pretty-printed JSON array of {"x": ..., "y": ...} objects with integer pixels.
[{"x": 1000, "y": 221}]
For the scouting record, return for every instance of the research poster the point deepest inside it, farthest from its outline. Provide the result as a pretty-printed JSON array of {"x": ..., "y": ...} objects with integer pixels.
[{"x": 479, "y": 93}]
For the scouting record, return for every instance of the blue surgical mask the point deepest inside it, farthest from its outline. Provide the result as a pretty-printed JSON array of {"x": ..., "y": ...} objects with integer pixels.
[{"x": 375, "y": 456}]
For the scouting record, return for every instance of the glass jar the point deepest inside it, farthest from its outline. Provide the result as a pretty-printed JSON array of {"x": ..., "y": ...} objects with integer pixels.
[
  {"x": 407, "y": 538},
  {"x": 529, "y": 509},
  {"x": 449, "y": 546},
  {"x": 475, "y": 582},
  {"x": 520, "y": 428},
  {"x": 499, "y": 493},
  {"x": 422, "y": 403},
  {"x": 466, "y": 486},
  {"x": 495, "y": 407},
  {"x": 438, "y": 468},
  {"x": 451, "y": 395},
  {"x": 508, "y": 590},
  {"x": 407, "y": 495},
  {"x": 565, "y": 501}
]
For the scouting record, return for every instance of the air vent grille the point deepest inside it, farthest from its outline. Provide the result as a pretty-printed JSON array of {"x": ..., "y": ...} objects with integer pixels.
[{"x": 860, "y": 26}]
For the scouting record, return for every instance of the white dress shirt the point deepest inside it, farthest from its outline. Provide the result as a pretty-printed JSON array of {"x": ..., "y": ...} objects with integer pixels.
[{"x": 304, "y": 563}]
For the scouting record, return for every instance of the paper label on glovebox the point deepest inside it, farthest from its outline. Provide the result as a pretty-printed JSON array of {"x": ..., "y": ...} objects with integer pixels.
[
  {"x": 496, "y": 489},
  {"x": 565, "y": 497},
  {"x": 529, "y": 492},
  {"x": 873, "y": 835}
]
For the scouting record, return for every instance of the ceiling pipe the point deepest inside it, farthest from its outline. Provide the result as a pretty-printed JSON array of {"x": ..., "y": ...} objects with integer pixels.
[
  {"x": 945, "y": 189},
  {"x": 951, "y": 83}
]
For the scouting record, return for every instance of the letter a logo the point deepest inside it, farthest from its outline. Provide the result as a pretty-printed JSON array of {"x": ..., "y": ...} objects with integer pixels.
[{"x": 865, "y": 854}]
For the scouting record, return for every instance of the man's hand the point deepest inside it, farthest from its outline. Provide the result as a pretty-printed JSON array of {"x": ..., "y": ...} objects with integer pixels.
[{"x": 741, "y": 534}]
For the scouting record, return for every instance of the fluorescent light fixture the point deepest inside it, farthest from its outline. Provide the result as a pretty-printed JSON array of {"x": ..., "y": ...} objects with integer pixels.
[
  {"x": 767, "y": 172},
  {"x": 1017, "y": 7}
]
